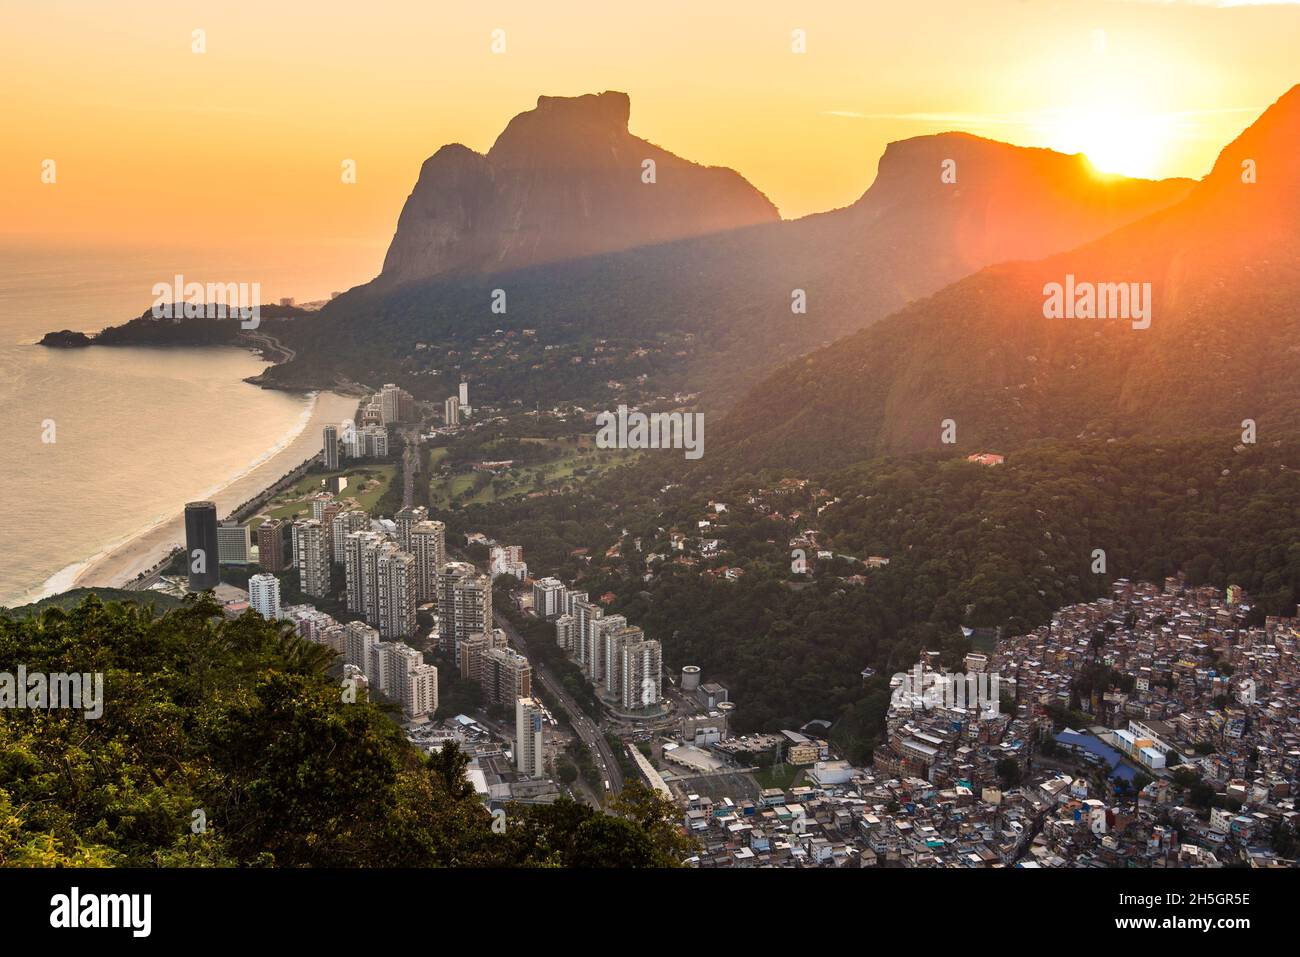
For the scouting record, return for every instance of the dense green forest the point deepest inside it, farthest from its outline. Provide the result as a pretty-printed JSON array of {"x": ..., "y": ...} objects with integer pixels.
[
  {"x": 996, "y": 547},
  {"x": 73, "y": 597},
  {"x": 227, "y": 743}
]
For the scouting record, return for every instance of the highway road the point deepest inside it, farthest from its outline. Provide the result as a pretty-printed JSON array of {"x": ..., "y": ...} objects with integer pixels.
[
  {"x": 410, "y": 464},
  {"x": 270, "y": 345},
  {"x": 588, "y": 730},
  {"x": 152, "y": 576}
]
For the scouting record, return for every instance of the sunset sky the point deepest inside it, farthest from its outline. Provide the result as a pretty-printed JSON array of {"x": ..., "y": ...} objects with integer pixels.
[{"x": 242, "y": 145}]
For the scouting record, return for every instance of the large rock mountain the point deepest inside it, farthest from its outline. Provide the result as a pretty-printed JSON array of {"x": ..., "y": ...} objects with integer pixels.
[
  {"x": 1221, "y": 346},
  {"x": 544, "y": 192},
  {"x": 562, "y": 181},
  {"x": 961, "y": 202}
]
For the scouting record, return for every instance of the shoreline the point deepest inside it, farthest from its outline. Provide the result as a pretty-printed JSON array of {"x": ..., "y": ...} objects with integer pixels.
[{"x": 120, "y": 563}]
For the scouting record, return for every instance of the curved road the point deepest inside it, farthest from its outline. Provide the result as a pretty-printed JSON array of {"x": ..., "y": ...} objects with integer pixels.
[{"x": 270, "y": 345}]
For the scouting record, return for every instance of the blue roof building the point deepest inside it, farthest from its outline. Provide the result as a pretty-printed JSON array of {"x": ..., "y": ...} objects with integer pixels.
[{"x": 1099, "y": 752}]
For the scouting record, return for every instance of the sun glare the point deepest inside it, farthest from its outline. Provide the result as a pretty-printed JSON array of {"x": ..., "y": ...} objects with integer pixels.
[{"x": 1116, "y": 140}]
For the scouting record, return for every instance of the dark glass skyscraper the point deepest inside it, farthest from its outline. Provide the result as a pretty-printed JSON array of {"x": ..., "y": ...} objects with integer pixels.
[
  {"x": 331, "y": 447},
  {"x": 201, "y": 557}
]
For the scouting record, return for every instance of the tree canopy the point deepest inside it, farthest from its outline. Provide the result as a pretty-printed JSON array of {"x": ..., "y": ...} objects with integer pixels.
[{"x": 227, "y": 743}]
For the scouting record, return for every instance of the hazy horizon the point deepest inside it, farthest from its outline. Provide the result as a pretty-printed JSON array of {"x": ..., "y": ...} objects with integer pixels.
[{"x": 240, "y": 148}]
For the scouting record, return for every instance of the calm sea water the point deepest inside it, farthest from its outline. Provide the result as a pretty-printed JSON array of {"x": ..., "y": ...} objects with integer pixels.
[{"x": 138, "y": 432}]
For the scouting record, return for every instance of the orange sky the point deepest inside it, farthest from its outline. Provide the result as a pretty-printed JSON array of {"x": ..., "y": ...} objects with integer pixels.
[{"x": 241, "y": 147}]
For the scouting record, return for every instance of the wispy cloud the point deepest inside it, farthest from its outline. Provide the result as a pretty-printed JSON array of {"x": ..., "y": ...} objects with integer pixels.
[
  {"x": 1021, "y": 118},
  {"x": 963, "y": 119},
  {"x": 1218, "y": 3}
]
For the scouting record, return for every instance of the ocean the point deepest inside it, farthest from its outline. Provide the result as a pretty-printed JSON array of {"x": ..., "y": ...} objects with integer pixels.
[{"x": 107, "y": 443}]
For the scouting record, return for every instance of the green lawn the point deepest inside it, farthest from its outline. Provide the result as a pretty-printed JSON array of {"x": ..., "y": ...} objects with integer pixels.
[
  {"x": 365, "y": 484},
  {"x": 444, "y": 491},
  {"x": 532, "y": 478},
  {"x": 783, "y": 777}
]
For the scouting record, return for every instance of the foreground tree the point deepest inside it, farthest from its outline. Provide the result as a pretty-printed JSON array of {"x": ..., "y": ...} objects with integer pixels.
[{"x": 227, "y": 743}]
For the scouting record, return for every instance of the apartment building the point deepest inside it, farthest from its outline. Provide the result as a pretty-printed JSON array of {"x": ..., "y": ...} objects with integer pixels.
[
  {"x": 234, "y": 544},
  {"x": 506, "y": 676},
  {"x": 642, "y": 665},
  {"x": 264, "y": 596},
  {"x": 548, "y": 598},
  {"x": 313, "y": 558},
  {"x": 361, "y": 569},
  {"x": 528, "y": 738},
  {"x": 343, "y": 525},
  {"x": 464, "y": 605},
  {"x": 395, "y": 586},
  {"x": 428, "y": 543},
  {"x": 270, "y": 546}
]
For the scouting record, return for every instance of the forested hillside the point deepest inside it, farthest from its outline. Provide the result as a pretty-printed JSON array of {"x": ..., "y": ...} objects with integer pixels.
[
  {"x": 998, "y": 547},
  {"x": 1216, "y": 344},
  {"x": 734, "y": 291},
  {"x": 226, "y": 743}
]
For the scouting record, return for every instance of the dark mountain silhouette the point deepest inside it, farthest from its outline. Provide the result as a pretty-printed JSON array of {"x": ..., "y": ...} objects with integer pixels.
[
  {"x": 909, "y": 235},
  {"x": 1221, "y": 346},
  {"x": 562, "y": 181}
]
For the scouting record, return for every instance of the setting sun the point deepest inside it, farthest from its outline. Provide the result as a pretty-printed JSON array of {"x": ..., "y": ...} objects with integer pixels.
[{"x": 1117, "y": 140}]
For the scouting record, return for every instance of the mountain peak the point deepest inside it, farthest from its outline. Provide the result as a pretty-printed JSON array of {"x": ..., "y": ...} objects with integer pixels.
[
  {"x": 453, "y": 159},
  {"x": 977, "y": 163},
  {"x": 1271, "y": 145},
  {"x": 995, "y": 201},
  {"x": 1214, "y": 344},
  {"x": 566, "y": 131},
  {"x": 611, "y": 108},
  {"x": 562, "y": 181}
]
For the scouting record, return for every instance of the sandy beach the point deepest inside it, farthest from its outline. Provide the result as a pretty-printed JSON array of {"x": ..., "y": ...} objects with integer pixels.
[{"x": 122, "y": 562}]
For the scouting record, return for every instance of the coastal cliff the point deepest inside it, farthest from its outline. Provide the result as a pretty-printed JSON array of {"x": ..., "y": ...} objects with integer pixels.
[
  {"x": 65, "y": 339},
  {"x": 148, "y": 330}
]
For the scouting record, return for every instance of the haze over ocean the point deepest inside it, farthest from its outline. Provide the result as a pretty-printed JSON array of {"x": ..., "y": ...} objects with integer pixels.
[{"x": 139, "y": 431}]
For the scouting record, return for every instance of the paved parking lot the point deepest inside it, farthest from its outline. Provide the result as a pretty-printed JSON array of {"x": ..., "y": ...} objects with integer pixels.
[{"x": 737, "y": 785}]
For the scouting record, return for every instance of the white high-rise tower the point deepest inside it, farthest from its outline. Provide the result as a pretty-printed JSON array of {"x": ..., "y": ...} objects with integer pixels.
[
  {"x": 264, "y": 595},
  {"x": 528, "y": 738}
]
